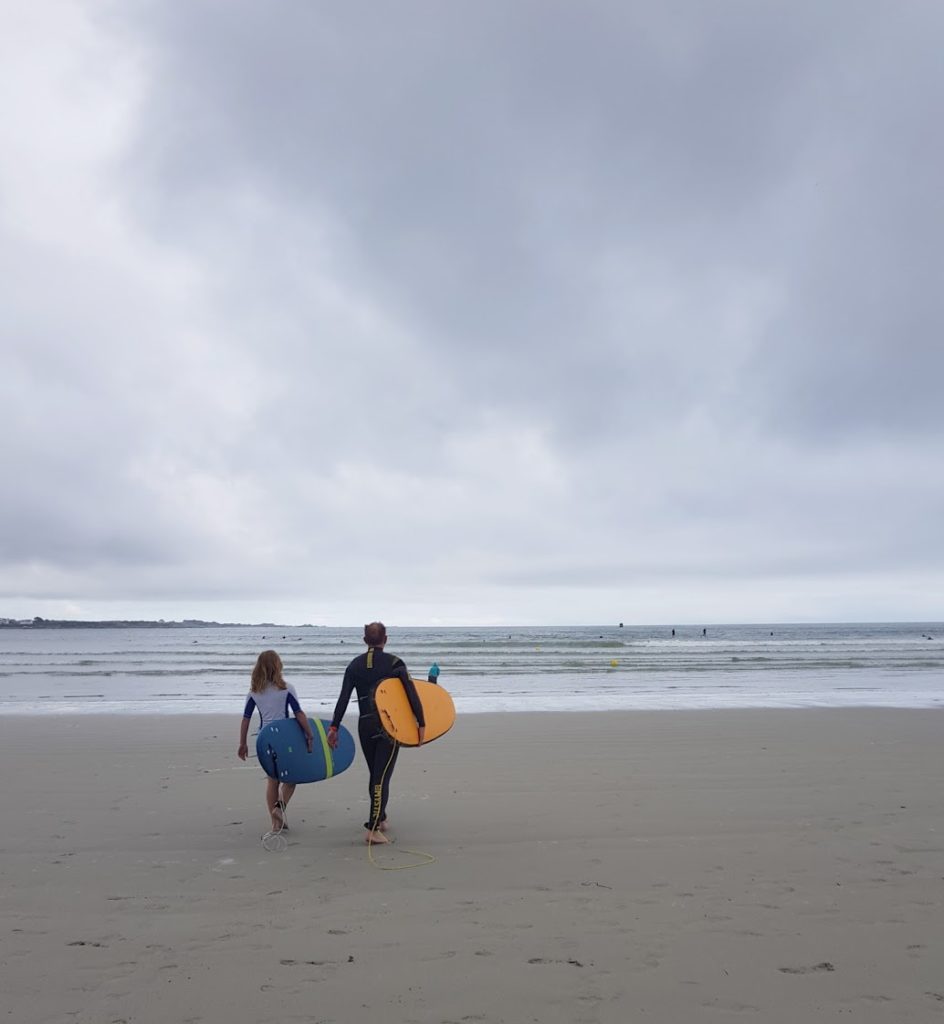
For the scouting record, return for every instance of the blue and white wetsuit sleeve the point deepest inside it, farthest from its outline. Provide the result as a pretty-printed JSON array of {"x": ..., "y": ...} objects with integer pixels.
[
  {"x": 250, "y": 707},
  {"x": 292, "y": 707}
]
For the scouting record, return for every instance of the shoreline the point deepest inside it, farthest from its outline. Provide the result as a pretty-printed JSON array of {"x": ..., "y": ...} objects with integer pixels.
[
  {"x": 589, "y": 866},
  {"x": 754, "y": 709},
  {"x": 324, "y": 709}
]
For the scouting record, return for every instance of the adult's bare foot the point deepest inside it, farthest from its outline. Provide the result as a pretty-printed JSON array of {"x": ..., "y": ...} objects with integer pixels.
[{"x": 375, "y": 838}]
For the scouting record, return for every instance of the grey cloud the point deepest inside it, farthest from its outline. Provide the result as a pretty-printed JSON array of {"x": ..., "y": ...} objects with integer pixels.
[
  {"x": 483, "y": 162},
  {"x": 618, "y": 285}
]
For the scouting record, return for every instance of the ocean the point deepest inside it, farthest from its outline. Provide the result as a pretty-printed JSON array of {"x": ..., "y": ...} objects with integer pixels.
[{"x": 177, "y": 670}]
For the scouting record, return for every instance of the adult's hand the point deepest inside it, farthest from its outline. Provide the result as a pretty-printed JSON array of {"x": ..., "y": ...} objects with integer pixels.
[
  {"x": 333, "y": 737},
  {"x": 422, "y": 731}
]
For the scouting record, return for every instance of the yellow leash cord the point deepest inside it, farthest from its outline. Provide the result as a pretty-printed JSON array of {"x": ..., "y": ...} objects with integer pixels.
[{"x": 428, "y": 858}]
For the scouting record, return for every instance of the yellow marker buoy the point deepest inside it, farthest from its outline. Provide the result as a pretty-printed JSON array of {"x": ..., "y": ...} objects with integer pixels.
[{"x": 614, "y": 663}]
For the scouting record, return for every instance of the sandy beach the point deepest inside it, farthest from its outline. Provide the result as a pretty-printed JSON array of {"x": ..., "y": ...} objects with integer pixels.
[{"x": 677, "y": 866}]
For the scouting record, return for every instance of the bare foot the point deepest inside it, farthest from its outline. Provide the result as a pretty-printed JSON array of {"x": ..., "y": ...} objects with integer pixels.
[
  {"x": 278, "y": 819},
  {"x": 375, "y": 838},
  {"x": 382, "y": 827}
]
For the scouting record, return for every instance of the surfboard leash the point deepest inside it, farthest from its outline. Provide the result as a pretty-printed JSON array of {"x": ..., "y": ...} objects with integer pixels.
[
  {"x": 273, "y": 840},
  {"x": 428, "y": 858}
]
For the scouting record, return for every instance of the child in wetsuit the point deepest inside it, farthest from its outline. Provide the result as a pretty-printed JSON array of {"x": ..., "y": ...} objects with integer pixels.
[{"x": 274, "y": 699}]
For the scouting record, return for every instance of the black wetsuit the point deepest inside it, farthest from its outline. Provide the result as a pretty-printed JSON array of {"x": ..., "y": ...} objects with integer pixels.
[{"x": 363, "y": 675}]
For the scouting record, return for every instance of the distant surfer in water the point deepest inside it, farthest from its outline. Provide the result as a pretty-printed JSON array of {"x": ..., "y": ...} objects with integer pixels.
[
  {"x": 380, "y": 751},
  {"x": 275, "y": 699}
]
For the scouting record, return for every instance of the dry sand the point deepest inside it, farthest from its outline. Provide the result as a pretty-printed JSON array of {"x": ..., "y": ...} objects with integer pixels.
[{"x": 662, "y": 866}]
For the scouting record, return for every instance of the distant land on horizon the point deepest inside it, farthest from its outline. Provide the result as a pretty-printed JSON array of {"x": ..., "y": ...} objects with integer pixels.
[{"x": 40, "y": 623}]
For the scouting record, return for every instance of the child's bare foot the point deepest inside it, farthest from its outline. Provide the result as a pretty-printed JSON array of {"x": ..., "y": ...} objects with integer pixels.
[
  {"x": 278, "y": 818},
  {"x": 375, "y": 838}
]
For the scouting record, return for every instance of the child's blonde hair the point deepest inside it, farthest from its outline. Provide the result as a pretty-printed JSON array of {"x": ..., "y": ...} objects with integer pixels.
[{"x": 268, "y": 672}]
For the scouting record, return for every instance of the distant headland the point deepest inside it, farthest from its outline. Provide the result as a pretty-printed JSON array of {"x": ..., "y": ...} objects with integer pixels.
[{"x": 41, "y": 623}]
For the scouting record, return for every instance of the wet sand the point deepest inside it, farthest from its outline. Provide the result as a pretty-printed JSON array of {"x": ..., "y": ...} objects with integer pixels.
[{"x": 662, "y": 866}]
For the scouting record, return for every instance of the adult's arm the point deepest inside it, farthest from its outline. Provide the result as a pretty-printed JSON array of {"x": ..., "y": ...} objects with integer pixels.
[
  {"x": 347, "y": 687},
  {"x": 411, "y": 695}
]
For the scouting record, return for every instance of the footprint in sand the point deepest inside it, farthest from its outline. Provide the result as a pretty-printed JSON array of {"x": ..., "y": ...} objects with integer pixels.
[
  {"x": 815, "y": 969},
  {"x": 542, "y": 960}
]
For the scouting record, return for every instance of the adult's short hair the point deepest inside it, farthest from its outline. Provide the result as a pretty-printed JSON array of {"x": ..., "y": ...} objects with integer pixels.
[{"x": 375, "y": 633}]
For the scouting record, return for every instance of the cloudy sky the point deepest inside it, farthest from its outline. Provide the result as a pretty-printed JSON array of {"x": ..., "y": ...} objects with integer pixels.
[{"x": 527, "y": 312}]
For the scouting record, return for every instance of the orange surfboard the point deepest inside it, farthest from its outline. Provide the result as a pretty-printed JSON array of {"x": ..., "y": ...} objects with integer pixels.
[{"x": 396, "y": 715}]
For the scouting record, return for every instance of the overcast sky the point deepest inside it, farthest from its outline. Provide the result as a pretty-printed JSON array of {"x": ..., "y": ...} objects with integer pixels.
[{"x": 485, "y": 312}]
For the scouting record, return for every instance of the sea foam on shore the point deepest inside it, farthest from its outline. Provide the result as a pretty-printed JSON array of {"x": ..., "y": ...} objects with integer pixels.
[{"x": 155, "y": 671}]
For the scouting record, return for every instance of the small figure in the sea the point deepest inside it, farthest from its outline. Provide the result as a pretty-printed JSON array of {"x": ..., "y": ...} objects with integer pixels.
[
  {"x": 275, "y": 699},
  {"x": 704, "y": 632},
  {"x": 433, "y": 676},
  {"x": 673, "y": 632},
  {"x": 380, "y": 751}
]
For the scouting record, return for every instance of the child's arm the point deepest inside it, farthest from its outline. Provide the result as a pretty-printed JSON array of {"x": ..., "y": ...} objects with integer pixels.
[
  {"x": 302, "y": 719},
  {"x": 244, "y": 727},
  {"x": 243, "y": 734}
]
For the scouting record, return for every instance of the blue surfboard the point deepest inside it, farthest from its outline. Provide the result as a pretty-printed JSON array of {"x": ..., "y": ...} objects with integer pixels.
[{"x": 283, "y": 753}]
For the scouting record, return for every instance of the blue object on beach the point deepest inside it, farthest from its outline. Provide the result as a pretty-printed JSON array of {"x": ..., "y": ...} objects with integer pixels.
[
  {"x": 433, "y": 672},
  {"x": 283, "y": 751}
]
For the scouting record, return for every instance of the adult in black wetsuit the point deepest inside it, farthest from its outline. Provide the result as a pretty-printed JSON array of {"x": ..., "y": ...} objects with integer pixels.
[{"x": 363, "y": 674}]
